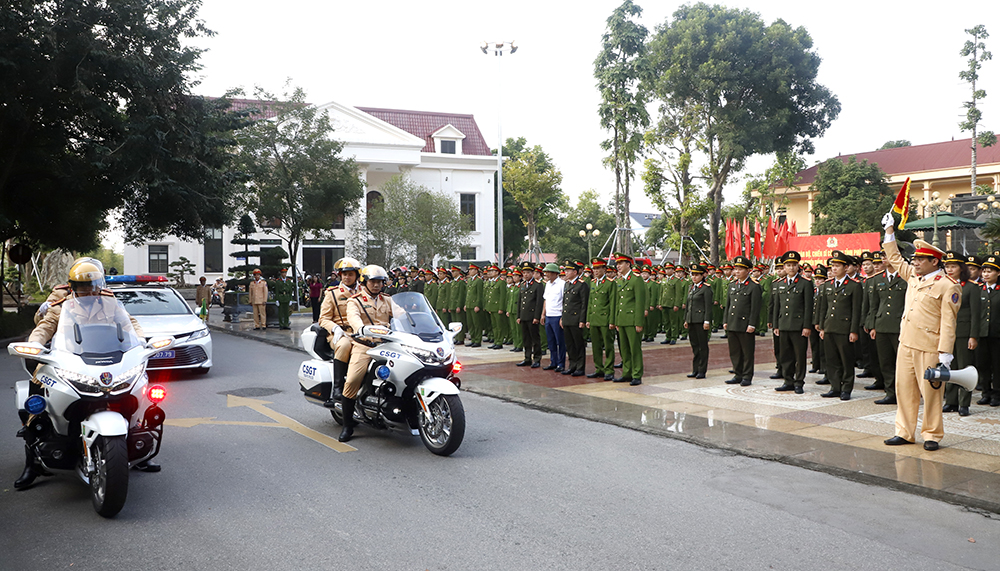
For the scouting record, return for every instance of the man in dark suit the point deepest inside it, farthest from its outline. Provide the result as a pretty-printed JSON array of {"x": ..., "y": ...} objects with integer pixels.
[
  {"x": 698, "y": 320},
  {"x": 792, "y": 303},
  {"x": 740, "y": 320},
  {"x": 887, "y": 296},
  {"x": 576, "y": 296},
  {"x": 840, "y": 314},
  {"x": 529, "y": 314}
]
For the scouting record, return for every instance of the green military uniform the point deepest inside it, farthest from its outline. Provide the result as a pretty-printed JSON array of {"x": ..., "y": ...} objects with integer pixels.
[
  {"x": 474, "y": 299},
  {"x": 697, "y": 314},
  {"x": 667, "y": 297},
  {"x": 720, "y": 287},
  {"x": 681, "y": 287},
  {"x": 627, "y": 310},
  {"x": 284, "y": 291},
  {"x": 443, "y": 299},
  {"x": 431, "y": 293},
  {"x": 840, "y": 311},
  {"x": 511, "y": 306},
  {"x": 886, "y": 298},
  {"x": 655, "y": 315},
  {"x": 495, "y": 306},
  {"x": 602, "y": 338},
  {"x": 456, "y": 305},
  {"x": 742, "y": 311}
]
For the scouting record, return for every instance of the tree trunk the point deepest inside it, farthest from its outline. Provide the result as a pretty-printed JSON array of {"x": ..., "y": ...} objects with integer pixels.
[
  {"x": 713, "y": 230},
  {"x": 974, "y": 151}
]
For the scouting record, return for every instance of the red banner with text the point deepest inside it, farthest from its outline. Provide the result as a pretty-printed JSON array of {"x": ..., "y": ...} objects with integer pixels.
[{"x": 816, "y": 249}]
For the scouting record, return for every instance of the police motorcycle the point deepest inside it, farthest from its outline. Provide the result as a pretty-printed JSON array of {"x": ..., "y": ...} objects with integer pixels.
[
  {"x": 410, "y": 384},
  {"x": 92, "y": 410}
]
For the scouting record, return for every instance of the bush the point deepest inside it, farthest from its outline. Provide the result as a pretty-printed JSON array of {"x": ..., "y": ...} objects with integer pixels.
[{"x": 16, "y": 324}]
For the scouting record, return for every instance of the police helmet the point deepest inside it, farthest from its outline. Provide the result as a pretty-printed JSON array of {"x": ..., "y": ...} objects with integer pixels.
[
  {"x": 84, "y": 274},
  {"x": 373, "y": 272},
  {"x": 346, "y": 265}
]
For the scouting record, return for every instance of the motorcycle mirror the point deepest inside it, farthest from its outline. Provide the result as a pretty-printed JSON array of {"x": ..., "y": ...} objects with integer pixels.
[{"x": 29, "y": 349}]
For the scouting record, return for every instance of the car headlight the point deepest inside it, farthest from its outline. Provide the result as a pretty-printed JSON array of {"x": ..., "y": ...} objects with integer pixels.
[
  {"x": 427, "y": 357},
  {"x": 198, "y": 334}
]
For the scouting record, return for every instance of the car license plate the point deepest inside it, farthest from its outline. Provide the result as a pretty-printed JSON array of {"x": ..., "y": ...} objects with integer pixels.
[{"x": 164, "y": 355}]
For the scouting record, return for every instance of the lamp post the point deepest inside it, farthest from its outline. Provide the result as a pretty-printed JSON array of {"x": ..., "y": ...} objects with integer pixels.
[
  {"x": 589, "y": 235},
  {"x": 498, "y": 50},
  {"x": 935, "y": 206}
]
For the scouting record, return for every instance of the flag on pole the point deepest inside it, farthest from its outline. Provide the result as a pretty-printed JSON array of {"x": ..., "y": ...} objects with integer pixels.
[
  {"x": 757, "y": 252},
  {"x": 902, "y": 204},
  {"x": 749, "y": 238}
]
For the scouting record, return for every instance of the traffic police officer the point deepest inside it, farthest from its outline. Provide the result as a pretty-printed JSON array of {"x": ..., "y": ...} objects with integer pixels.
[{"x": 333, "y": 318}]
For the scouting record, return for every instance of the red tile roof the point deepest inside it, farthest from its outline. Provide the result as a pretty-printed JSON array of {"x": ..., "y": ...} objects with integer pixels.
[
  {"x": 423, "y": 124},
  {"x": 917, "y": 158},
  {"x": 264, "y": 109}
]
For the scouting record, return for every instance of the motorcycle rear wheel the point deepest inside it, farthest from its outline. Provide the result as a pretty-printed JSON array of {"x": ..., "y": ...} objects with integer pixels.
[
  {"x": 109, "y": 481},
  {"x": 443, "y": 432}
]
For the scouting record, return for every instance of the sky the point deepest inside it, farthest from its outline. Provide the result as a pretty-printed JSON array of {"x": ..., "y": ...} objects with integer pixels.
[{"x": 893, "y": 65}]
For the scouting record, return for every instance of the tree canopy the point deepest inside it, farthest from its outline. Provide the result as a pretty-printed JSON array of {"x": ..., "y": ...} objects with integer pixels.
[
  {"x": 753, "y": 84},
  {"x": 563, "y": 238},
  {"x": 534, "y": 184},
  {"x": 298, "y": 182},
  {"x": 96, "y": 116},
  {"x": 411, "y": 224},
  {"x": 850, "y": 197},
  {"x": 894, "y": 144}
]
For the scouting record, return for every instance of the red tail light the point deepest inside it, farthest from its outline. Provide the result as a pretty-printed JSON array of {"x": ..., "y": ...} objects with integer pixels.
[
  {"x": 157, "y": 394},
  {"x": 456, "y": 368}
]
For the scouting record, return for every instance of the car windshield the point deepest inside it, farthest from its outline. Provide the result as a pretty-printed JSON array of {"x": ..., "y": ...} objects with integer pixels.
[
  {"x": 152, "y": 302},
  {"x": 94, "y": 326},
  {"x": 412, "y": 314}
]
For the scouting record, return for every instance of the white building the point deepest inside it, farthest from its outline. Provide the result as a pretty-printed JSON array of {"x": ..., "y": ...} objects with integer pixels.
[{"x": 442, "y": 151}]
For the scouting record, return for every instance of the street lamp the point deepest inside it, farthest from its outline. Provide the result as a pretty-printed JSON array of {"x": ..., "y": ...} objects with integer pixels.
[
  {"x": 498, "y": 49},
  {"x": 589, "y": 235},
  {"x": 935, "y": 206}
]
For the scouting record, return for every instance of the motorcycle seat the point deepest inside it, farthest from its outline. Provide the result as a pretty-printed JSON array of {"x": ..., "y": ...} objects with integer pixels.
[{"x": 321, "y": 346}]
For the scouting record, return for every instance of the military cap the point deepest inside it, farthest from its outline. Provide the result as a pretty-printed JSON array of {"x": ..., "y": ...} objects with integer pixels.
[
  {"x": 471, "y": 265},
  {"x": 612, "y": 269},
  {"x": 515, "y": 271},
  {"x": 742, "y": 262},
  {"x": 791, "y": 256},
  {"x": 456, "y": 268},
  {"x": 866, "y": 256},
  {"x": 807, "y": 267},
  {"x": 541, "y": 267},
  {"x": 492, "y": 267},
  {"x": 698, "y": 269},
  {"x": 728, "y": 266},
  {"x": 598, "y": 262},
  {"x": 820, "y": 271},
  {"x": 840, "y": 258},
  {"x": 973, "y": 261},
  {"x": 619, "y": 257},
  {"x": 927, "y": 250},
  {"x": 993, "y": 262},
  {"x": 257, "y": 271},
  {"x": 575, "y": 264},
  {"x": 953, "y": 257},
  {"x": 878, "y": 256},
  {"x": 668, "y": 266}
]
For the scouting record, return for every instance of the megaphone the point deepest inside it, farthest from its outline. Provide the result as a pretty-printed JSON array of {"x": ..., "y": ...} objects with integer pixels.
[{"x": 966, "y": 378}]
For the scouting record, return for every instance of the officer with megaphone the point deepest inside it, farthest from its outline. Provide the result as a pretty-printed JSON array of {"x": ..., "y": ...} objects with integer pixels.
[{"x": 926, "y": 339}]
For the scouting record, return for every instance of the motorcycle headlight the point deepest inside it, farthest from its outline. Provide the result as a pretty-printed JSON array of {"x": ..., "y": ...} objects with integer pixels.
[
  {"x": 128, "y": 378},
  {"x": 198, "y": 334},
  {"x": 426, "y": 357},
  {"x": 82, "y": 383}
]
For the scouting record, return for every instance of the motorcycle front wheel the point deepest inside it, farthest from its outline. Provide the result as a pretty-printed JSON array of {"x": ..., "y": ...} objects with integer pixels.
[
  {"x": 109, "y": 481},
  {"x": 443, "y": 431}
]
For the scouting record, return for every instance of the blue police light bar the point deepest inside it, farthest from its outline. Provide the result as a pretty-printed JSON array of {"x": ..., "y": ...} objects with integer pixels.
[
  {"x": 135, "y": 279},
  {"x": 35, "y": 404}
]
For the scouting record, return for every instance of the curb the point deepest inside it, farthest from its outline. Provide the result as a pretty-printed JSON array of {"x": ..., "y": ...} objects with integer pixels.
[{"x": 252, "y": 337}]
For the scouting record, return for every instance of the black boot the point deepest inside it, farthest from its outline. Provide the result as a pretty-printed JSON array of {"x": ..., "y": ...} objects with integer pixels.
[
  {"x": 32, "y": 470},
  {"x": 339, "y": 377},
  {"x": 348, "y": 430}
]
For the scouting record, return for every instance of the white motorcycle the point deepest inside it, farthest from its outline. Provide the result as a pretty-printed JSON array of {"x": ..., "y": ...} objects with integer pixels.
[
  {"x": 92, "y": 410},
  {"x": 410, "y": 384}
]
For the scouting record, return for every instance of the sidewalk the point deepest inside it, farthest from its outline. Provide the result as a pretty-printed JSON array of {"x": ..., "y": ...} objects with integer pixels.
[{"x": 843, "y": 438}]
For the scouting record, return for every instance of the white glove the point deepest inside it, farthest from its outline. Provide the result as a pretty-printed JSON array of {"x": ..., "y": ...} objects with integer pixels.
[
  {"x": 945, "y": 359},
  {"x": 337, "y": 333},
  {"x": 43, "y": 309},
  {"x": 887, "y": 221}
]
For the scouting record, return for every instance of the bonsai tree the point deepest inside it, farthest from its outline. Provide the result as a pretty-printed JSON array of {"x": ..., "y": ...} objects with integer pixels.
[{"x": 245, "y": 229}]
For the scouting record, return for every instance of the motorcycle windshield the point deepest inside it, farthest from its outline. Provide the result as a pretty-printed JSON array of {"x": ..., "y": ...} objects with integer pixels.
[
  {"x": 412, "y": 314},
  {"x": 97, "y": 328}
]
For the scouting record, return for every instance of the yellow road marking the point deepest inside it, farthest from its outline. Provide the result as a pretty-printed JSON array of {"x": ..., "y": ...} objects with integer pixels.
[{"x": 279, "y": 419}]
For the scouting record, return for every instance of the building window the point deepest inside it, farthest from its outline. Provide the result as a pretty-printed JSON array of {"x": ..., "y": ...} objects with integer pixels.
[
  {"x": 469, "y": 253},
  {"x": 213, "y": 250},
  {"x": 467, "y": 206},
  {"x": 448, "y": 147},
  {"x": 373, "y": 199},
  {"x": 158, "y": 262}
]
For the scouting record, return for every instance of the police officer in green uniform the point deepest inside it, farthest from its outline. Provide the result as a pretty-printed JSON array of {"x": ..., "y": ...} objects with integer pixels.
[
  {"x": 602, "y": 339},
  {"x": 510, "y": 311},
  {"x": 742, "y": 314},
  {"x": 443, "y": 296},
  {"x": 967, "y": 324},
  {"x": 495, "y": 304},
  {"x": 681, "y": 286},
  {"x": 887, "y": 297},
  {"x": 284, "y": 290},
  {"x": 792, "y": 300},
  {"x": 628, "y": 315},
  {"x": 474, "y": 305},
  {"x": 666, "y": 304},
  {"x": 456, "y": 302},
  {"x": 430, "y": 288},
  {"x": 698, "y": 320},
  {"x": 529, "y": 315},
  {"x": 652, "y": 294},
  {"x": 840, "y": 311}
]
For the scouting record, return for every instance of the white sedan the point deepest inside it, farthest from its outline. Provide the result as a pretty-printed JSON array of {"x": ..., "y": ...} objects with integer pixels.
[{"x": 160, "y": 310}]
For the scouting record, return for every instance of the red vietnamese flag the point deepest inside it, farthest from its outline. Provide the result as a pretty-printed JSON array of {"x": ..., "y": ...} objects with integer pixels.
[
  {"x": 902, "y": 204},
  {"x": 782, "y": 239},
  {"x": 757, "y": 253},
  {"x": 725, "y": 244},
  {"x": 737, "y": 239},
  {"x": 769, "y": 238},
  {"x": 749, "y": 238},
  {"x": 729, "y": 239}
]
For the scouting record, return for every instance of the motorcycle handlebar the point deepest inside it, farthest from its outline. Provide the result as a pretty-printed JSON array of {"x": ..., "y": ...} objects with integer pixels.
[{"x": 364, "y": 341}]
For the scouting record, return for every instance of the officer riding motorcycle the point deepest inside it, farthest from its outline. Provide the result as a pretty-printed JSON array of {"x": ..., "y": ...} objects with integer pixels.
[{"x": 333, "y": 318}]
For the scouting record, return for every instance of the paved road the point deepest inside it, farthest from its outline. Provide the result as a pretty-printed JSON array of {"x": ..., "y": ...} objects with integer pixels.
[{"x": 527, "y": 490}]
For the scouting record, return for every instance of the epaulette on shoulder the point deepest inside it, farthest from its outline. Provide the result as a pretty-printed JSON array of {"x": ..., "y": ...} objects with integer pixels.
[
  {"x": 951, "y": 278},
  {"x": 58, "y": 301},
  {"x": 107, "y": 293}
]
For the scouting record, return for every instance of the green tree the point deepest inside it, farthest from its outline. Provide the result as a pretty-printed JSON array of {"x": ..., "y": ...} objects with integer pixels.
[
  {"x": 514, "y": 229},
  {"x": 563, "y": 237},
  {"x": 412, "y": 224},
  {"x": 976, "y": 48},
  {"x": 894, "y": 144},
  {"x": 754, "y": 84},
  {"x": 244, "y": 230},
  {"x": 96, "y": 116},
  {"x": 850, "y": 197},
  {"x": 180, "y": 267},
  {"x": 620, "y": 68},
  {"x": 534, "y": 184},
  {"x": 298, "y": 181},
  {"x": 771, "y": 187}
]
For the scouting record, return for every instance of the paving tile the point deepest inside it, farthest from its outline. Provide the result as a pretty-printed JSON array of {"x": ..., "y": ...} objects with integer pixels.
[
  {"x": 647, "y": 389},
  {"x": 725, "y": 415},
  {"x": 811, "y": 417},
  {"x": 774, "y": 423},
  {"x": 830, "y": 434},
  {"x": 980, "y": 446}
]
